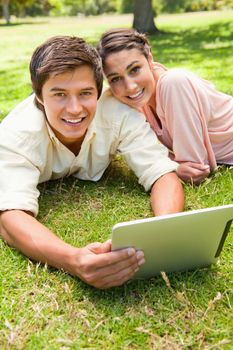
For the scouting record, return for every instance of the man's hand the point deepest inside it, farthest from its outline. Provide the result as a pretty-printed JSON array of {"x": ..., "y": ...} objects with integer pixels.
[
  {"x": 95, "y": 264},
  {"x": 102, "y": 268},
  {"x": 193, "y": 172}
]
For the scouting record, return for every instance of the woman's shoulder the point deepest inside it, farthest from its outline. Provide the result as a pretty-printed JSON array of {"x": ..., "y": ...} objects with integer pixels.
[
  {"x": 181, "y": 79},
  {"x": 177, "y": 75}
]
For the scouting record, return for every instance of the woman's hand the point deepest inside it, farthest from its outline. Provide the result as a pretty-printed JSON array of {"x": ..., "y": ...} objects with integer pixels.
[{"x": 193, "y": 172}]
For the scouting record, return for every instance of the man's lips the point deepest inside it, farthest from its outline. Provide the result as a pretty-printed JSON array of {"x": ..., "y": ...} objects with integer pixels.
[{"x": 73, "y": 121}]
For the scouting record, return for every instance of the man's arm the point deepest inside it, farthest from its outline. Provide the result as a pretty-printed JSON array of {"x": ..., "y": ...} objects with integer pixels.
[
  {"x": 95, "y": 264},
  {"x": 167, "y": 195}
]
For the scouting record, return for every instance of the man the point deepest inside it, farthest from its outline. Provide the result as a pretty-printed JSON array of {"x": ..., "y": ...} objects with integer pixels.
[{"x": 58, "y": 132}]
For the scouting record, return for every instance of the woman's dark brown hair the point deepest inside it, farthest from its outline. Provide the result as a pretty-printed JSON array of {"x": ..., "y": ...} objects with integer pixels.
[{"x": 119, "y": 39}]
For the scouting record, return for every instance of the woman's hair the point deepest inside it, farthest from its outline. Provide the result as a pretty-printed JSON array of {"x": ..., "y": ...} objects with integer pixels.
[
  {"x": 119, "y": 39},
  {"x": 61, "y": 54}
]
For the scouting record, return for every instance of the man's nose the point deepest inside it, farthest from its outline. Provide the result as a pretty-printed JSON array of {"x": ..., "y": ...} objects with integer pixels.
[{"x": 74, "y": 106}]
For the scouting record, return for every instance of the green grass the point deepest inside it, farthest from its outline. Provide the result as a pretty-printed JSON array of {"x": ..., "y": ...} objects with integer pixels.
[{"x": 42, "y": 308}]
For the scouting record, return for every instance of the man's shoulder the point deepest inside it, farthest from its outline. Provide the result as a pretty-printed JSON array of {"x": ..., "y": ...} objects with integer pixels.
[
  {"x": 110, "y": 110},
  {"x": 25, "y": 117},
  {"x": 108, "y": 102},
  {"x": 24, "y": 125}
]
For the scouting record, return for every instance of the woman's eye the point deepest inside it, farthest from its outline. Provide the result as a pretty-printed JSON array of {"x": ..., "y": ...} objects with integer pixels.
[
  {"x": 135, "y": 70},
  {"x": 114, "y": 80}
]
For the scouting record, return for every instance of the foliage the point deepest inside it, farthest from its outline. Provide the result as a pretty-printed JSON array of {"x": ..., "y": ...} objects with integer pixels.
[
  {"x": 22, "y": 8},
  {"x": 171, "y": 6},
  {"x": 42, "y": 308},
  {"x": 32, "y": 8},
  {"x": 127, "y": 6},
  {"x": 86, "y": 7}
]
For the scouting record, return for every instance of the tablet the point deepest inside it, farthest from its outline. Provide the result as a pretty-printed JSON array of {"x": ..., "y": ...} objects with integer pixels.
[{"x": 176, "y": 242}]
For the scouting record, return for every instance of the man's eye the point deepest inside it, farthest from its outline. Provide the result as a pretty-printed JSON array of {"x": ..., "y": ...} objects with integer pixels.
[
  {"x": 86, "y": 93},
  {"x": 59, "y": 94}
]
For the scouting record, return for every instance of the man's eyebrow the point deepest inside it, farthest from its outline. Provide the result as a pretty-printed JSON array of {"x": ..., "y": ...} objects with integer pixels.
[
  {"x": 89, "y": 88},
  {"x": 127, "y": 68},
  {"x": 55, "y": 88}
]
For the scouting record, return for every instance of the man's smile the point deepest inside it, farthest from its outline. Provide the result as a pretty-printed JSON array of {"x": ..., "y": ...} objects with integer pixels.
[{"x": 73, "y": 121}]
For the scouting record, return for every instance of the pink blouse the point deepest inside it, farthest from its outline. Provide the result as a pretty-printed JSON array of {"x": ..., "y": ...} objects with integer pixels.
[{"x": 195, "y": 120}]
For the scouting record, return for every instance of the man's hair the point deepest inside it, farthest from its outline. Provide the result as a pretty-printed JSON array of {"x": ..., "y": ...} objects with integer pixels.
[
  {"x": 115, "y": 40},
  {"x": 61, "y": 54}
]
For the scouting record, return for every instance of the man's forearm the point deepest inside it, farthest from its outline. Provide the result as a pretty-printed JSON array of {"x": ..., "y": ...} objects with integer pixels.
[
  {"x": 25, "y": 233},
  {"x": 167, "y": 195},
  {"x": 95, "y": 264}
]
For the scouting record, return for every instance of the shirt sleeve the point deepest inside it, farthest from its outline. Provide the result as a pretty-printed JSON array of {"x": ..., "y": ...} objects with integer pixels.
[
  {"x": 144, "y": 154},
  {"x": 184, "y": 109},
  {"x": 19, "y": 176}
]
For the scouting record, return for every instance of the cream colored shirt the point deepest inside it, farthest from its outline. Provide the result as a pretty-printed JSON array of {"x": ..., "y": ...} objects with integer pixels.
[{"x": 30, "y": 153}]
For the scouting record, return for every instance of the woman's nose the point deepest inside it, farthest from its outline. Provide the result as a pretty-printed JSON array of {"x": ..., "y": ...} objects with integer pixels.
[{"x": 130, "y": 84}]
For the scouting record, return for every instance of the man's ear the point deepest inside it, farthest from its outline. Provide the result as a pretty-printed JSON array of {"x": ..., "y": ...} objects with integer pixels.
[{"x": 39, "y": 100}]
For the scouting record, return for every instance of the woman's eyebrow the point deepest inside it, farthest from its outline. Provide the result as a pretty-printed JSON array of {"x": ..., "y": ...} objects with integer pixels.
[
  {"x": 131, "y": 64},
  {"x": 127, "y": 68}
]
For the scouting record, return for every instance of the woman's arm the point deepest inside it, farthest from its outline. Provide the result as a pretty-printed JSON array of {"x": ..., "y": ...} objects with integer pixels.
[{"x": 193, "y": 172}]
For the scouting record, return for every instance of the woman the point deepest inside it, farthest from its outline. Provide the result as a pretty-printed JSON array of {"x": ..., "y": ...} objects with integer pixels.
[{"x": 189, "y": 116}]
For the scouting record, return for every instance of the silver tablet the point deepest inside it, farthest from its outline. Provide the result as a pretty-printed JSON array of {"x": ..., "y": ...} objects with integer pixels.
[{"x": 176, "y": 242}]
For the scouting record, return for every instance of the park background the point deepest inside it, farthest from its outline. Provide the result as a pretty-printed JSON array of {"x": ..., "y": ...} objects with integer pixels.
[{"x": 42, "y": 308}]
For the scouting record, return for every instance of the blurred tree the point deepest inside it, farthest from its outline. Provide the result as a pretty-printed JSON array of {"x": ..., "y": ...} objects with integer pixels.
[
  {"x": 86, "y": 7},
  {"x": 144, "y": 17},
  {"x": 22, "y": 8},
  {"x": 6, "y": 10}
]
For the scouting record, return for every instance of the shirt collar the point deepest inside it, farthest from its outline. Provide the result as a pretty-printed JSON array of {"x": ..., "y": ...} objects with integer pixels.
[{"x": 51, "y": 133}]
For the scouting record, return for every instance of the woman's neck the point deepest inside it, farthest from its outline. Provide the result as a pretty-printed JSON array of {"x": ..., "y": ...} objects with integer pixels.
[
  {"x": 157, "y": 72},
  {"x": 152, "y": 102}
]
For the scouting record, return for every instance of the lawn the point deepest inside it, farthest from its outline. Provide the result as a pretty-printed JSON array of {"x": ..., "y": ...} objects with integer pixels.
[{"x": 42, "y": 308}]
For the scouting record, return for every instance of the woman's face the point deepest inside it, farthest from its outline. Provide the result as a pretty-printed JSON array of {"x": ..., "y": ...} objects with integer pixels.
[{"x": 130, "y": 77}]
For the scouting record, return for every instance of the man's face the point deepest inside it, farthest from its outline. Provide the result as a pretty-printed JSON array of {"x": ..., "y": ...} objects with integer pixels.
[{"x": 69, "y": 100}]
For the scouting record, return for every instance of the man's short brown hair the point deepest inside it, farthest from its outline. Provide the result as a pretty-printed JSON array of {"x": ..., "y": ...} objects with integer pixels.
[{"x": 61, "y": 54}]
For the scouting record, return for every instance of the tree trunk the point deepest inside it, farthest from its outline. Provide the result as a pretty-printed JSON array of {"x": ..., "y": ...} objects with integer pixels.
[
  {"x": 5, "y": 10},
  {"x": 144, "y": 17}
]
